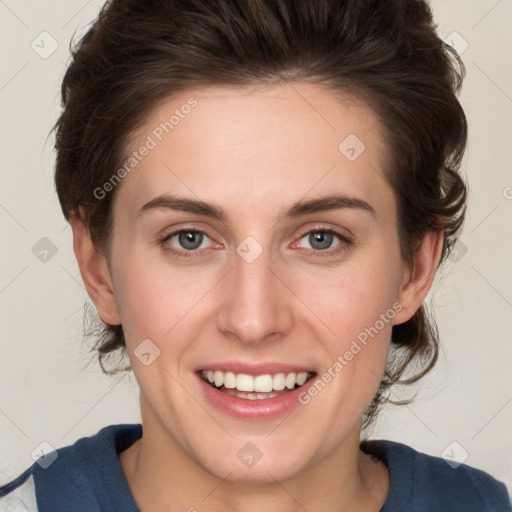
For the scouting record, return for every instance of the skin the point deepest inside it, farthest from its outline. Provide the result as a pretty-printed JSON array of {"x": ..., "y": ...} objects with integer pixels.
[{"x": 254, "y": 151}]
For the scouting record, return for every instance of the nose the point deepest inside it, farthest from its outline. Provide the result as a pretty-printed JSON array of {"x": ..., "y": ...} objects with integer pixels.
[{"x": 255, "y": 304}]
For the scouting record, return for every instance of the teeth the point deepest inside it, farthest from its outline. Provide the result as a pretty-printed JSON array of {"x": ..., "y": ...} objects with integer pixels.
[
  {"x": 279, "y": 381},
  {"x": 244, "y": 382},
  {"x": 290, "y": 380},
  {"x": 219, "y": 379},
  {"x": 252, "y": 396},
  {"x": 259, "y": 384},
  {"x": 263, "y": 383},
  {"x": 230, "y": 380},
  {"x": 301, "y": 378}
]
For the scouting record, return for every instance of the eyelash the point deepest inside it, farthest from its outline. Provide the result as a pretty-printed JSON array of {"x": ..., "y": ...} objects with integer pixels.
[{"x": 346, "y": 242}]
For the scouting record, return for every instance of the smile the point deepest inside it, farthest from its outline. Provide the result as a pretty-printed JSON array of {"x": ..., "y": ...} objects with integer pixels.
[{"x": 255, "y": 387}]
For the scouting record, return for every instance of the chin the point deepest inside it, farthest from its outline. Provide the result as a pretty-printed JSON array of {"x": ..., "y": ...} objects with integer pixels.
[{"x": 254, "y": 459}]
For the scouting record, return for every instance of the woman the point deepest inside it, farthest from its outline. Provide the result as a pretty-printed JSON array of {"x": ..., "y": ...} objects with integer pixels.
[{"x": 260, "y": 194}]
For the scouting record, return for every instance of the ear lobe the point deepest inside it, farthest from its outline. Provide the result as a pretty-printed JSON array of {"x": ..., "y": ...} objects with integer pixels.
[
  {"x": 94, "y": 271},
  {"x": 418, "y": 281}
]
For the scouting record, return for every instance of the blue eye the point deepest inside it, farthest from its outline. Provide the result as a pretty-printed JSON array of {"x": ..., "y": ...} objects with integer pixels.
[
  {"x": 188, "y": 241},
  {"x": 321, "y": 240}
]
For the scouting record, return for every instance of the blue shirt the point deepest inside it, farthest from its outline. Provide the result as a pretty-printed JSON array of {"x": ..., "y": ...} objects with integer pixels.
[{"x": 87, "y": 477}]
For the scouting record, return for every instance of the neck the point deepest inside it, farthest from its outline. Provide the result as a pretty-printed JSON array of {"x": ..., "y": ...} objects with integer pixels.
[{"x": 163, "y": 477}]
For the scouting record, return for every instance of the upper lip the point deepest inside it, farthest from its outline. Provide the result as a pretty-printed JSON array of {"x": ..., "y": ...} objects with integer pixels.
[{"x": 255, "y": 368}]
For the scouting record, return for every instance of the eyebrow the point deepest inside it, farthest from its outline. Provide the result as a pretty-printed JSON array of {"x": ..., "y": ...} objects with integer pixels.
[{"x": 298, "y": 209}]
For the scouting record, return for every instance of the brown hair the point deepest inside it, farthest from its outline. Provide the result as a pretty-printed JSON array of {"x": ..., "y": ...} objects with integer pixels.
[{"x": 384, "y": 51}]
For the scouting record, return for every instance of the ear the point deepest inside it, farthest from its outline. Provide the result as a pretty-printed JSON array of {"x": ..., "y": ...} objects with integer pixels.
[
  {"x": 417, "y": 281},
  {"x": 94, "y": 270}
]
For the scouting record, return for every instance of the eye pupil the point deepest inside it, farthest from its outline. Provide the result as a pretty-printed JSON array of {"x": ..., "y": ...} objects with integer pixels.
[
  {"x": 190, "y": 239},
  {"x": 322, "y": 237}
]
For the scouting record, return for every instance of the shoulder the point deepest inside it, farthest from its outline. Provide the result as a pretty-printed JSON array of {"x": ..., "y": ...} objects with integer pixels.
[
  {"x": 424, "y": 482},
  {"x": 79, "y": 477},
  {"x": 19, "y": 495}
]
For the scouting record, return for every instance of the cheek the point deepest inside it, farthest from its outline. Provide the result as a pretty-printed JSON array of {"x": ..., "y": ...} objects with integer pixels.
[
  {"x": 155, "y": 299},
  {"x": 158, "y": 300},
  {"x": 355, "y": 314},
  {"x": 351, "y": 298},
  {"x": 354, "y": 308}
]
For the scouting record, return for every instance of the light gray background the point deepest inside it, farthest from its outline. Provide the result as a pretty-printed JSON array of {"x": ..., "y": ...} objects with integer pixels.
[{"x": 49, "y": 389}]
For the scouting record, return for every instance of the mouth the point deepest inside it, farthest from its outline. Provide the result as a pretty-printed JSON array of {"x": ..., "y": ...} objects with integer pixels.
[{"x": 255, "y": 387}]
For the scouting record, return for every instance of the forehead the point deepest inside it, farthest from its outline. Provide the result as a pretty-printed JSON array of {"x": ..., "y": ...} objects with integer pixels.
[{"x": 253, "y": 145}]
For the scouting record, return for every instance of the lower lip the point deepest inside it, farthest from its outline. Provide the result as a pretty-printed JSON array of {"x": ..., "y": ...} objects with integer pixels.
[{"x": 243, "y": 408}]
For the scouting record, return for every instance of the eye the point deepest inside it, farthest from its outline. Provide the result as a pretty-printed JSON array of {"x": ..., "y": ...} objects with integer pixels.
[
  {"x": 320, "y": 241},
  {"x": 185, "y": 242}
]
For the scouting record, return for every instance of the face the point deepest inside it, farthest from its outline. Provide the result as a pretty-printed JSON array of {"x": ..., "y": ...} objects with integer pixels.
[{"x": 229, "y": 263}]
